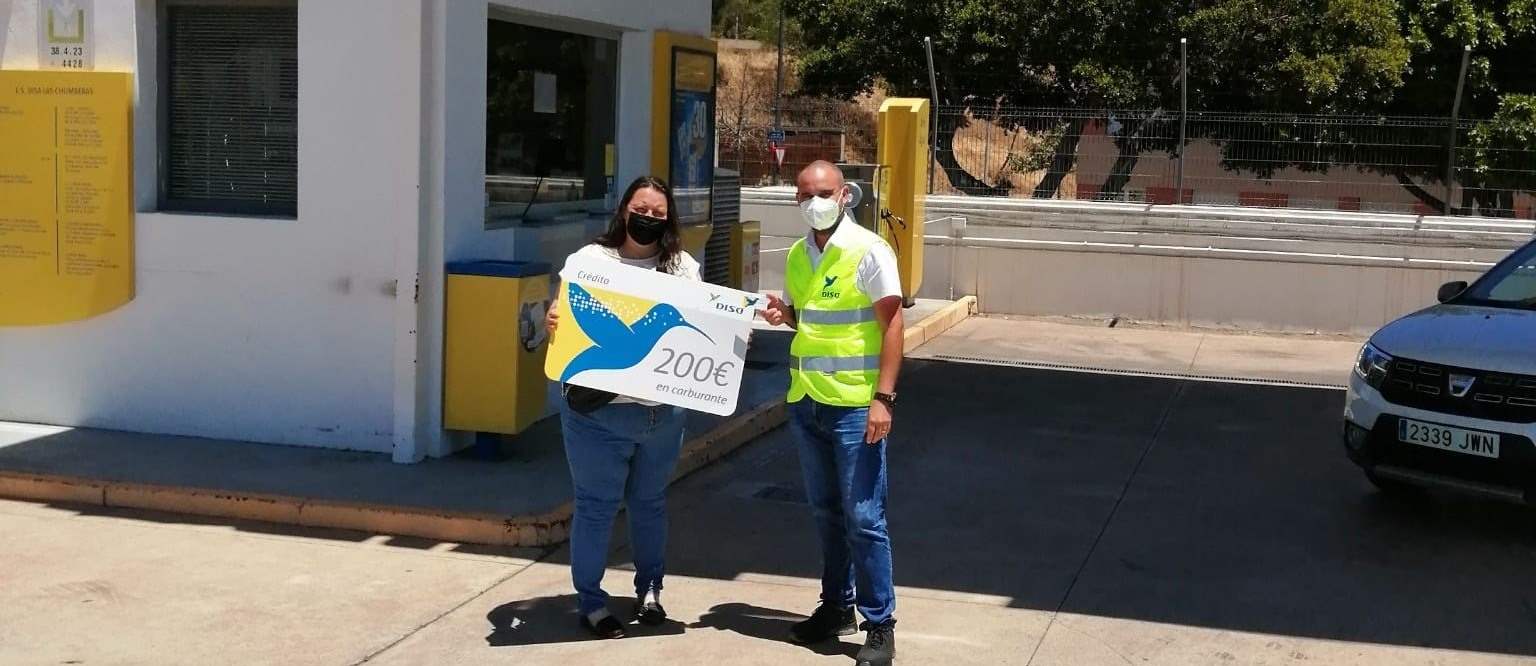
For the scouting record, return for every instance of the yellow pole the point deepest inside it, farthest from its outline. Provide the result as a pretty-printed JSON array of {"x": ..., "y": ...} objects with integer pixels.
[{"x": 903, "y": 158}]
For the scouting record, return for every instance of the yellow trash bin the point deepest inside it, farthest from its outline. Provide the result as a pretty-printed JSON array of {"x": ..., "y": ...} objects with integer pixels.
[{"x": 493, "y": 345}]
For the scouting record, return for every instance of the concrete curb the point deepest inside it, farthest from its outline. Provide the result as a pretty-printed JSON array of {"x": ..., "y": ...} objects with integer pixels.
[
  {"x": 536, "y": 530},
  {"x": 937, "y": 323},
  {"x": 528, "y": 530},
  {"x": 531, "y": 530},
  {"x": 454, "y": 526}
]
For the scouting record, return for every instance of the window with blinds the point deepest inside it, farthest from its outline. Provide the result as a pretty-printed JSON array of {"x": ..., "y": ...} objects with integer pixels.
[{"x": 230, "y": 89}]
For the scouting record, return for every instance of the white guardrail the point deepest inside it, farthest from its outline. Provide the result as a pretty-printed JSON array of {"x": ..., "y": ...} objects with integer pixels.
[
  {"x": 1279, "y": 223},
  {"x": 1255, "y": 268}
]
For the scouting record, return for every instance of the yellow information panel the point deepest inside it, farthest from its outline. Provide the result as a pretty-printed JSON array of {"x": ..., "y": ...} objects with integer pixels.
[
  {"x": 66, "y": 203},
  {"x": 683, "y": 129}
]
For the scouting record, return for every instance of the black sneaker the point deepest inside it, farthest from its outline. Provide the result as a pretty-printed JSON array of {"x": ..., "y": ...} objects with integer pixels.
[
  {"x": 827, "y": 622},
  {"x": 648, "y": 609},
  {"x": 605, "y": 626},
  {"x": 879, "y": 647}
]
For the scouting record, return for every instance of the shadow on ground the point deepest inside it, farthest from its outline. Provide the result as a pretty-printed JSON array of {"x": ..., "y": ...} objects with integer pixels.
[
  {"x": 765, "y": 624},
  {"x": 551, "y": 620}
]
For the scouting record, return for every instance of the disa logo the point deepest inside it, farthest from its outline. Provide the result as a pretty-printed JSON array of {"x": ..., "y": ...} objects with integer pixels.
[
  {"x": 826, "y": 290},
  {"x": 727, "y": 307}
]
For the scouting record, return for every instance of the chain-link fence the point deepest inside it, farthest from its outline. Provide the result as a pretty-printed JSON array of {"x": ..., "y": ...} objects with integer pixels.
[{"x": 1347, "y": 163}]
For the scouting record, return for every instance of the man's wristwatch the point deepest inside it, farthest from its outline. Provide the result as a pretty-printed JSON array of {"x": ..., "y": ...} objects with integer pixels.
[{"x": 888, "y": 398}]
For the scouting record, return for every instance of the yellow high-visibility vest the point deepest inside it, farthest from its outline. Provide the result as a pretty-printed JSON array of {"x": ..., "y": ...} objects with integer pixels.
[{"x": 835, "y": 357}]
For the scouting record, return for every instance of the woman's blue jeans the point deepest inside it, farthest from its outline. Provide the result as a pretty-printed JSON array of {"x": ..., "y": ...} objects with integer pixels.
[{"x": 622, "y": 451}]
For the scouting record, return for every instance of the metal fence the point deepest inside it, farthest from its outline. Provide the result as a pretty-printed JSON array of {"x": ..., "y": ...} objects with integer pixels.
[
  {"x": 814, "y": 129},
  {"x": 1348, "y": 163},
  {"x": 1395, "y": 165}
]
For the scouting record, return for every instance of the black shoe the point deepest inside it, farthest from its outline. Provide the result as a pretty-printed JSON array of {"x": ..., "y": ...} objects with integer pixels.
[
  {"x": 649, "y": 611},
  {"x": 827, "y": 622},
  {"x": 879, "y": 647},
  {"x": 607, "y": 627}
]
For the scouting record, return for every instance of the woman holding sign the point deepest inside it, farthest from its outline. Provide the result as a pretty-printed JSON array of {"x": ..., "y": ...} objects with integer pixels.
[{"x": 620, "y": 448}]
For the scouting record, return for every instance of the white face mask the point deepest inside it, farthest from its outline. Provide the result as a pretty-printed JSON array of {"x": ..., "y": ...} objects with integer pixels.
[{"x": 821, "y": 213}]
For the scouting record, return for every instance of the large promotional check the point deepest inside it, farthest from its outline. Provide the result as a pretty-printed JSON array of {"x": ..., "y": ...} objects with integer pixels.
[{"x": 650, "y": 336}]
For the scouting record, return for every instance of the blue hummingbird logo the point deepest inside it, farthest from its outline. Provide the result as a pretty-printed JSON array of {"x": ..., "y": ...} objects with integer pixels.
[
  {"x": 616, "y": 344},
  {"x": 830, "y": 280}
]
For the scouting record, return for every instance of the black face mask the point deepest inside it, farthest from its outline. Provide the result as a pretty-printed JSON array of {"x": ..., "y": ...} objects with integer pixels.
[{"x": 644, "y": 229}]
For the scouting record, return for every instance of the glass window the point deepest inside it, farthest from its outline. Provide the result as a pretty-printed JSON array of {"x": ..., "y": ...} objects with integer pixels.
[
  {"x": 230, "y": 108},
  {"x": 1510, "y": 284},
  {"x": 551, "y": 100}
]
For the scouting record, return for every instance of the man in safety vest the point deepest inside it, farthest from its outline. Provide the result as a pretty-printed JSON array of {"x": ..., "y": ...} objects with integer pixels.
[{"x": 842, "y": 294}]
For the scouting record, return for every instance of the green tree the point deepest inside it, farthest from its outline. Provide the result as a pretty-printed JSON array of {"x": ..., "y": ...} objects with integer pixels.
[
  {"x": 1502, "y": 67},
  {"x": 1498, "y": 158},
  {"x": 1361, "y": 57},
  {"x": 1500, "y": 34},
  {"x": 1366, "y": 57},
  {"x": 1330, "y": 55},
  {"x": 753, "y": 19},
  {"x": 1295, "y": 58},
  {"x": 1312, "y": 56},
  {"x": 992, "y": 53}
]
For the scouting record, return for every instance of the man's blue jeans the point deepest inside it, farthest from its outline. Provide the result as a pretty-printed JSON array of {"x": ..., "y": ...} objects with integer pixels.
[
  {"x": 621, "y": 451},
  {"x": 846, "y": 486}
]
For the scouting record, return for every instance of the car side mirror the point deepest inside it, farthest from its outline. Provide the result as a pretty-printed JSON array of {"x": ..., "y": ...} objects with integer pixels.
[{"x": 1451, "y": 290}]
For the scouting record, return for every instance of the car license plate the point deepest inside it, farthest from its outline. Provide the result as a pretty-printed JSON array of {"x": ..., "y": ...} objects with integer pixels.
[{"x": 1448, "y": 439}]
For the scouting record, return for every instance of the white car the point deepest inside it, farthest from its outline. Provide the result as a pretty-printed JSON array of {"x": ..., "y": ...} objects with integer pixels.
[{"x": 1446, "y": 397}]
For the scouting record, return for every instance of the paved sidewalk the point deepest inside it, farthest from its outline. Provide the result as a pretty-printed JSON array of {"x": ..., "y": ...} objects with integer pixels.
[
  {"x": 1051, "y": 343},
  {"x": 93, "y": 585}
]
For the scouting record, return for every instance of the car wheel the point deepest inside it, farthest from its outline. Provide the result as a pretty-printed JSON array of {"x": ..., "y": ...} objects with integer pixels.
[{"x": 1393, "y": 487}]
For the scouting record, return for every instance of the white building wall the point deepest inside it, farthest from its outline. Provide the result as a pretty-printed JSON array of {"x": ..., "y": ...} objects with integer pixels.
[
  {"x": 325, "y": 330},
  {"x": 269, "y": 330}
]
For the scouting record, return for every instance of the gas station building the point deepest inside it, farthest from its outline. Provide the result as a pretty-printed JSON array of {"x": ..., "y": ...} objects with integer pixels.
[{"x": 301, "y": 173}]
